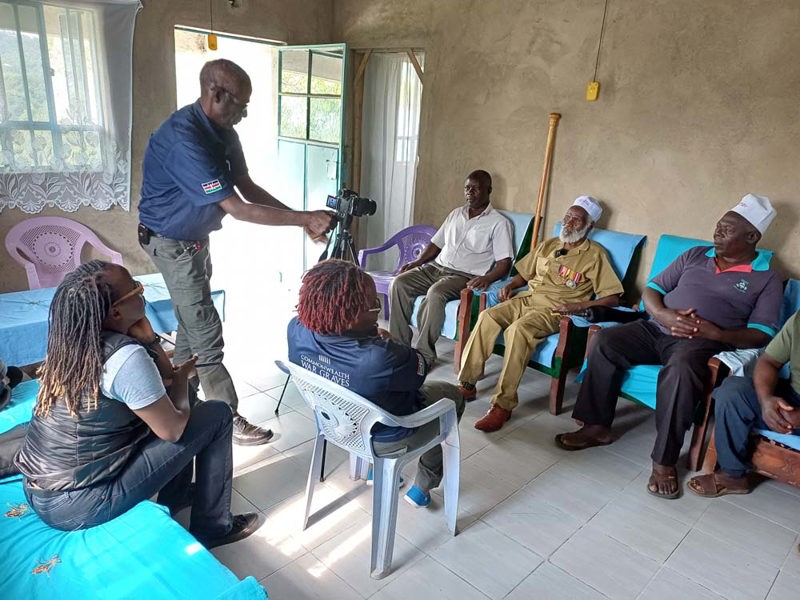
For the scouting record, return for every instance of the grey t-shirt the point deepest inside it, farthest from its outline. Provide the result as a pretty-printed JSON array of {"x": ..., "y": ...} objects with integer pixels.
[
  {"x": 744, "y": 296},
  {"x": 131, "y": 376}
]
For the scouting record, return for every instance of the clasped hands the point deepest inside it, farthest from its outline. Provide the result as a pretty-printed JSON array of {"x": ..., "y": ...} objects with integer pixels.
[
  {"x": 686, "y": 324},
  {"x": 779, "y": 415}
]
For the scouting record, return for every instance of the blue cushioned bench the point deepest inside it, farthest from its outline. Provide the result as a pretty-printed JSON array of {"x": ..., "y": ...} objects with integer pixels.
[{"x": 141, "y": 554}]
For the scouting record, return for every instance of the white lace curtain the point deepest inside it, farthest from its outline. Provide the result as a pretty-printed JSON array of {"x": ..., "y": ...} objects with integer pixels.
[
  {"x": 390, "y": 132},
  {"x": 65, "y": 103}
]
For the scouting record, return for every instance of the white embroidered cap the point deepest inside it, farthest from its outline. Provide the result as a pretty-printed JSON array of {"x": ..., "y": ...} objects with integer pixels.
[
  {"x": 757, "y": 210},
  {"x": 590, "y": 205}
]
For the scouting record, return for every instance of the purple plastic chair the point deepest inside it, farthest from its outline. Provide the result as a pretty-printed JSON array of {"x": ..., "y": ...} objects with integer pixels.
[
  {"x": 410, "y": 242},
  {"x": 50, "y": 247}
]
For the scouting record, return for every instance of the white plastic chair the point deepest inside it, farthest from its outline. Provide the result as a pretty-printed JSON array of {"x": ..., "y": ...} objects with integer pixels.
[{"x": 346, "y": 420}]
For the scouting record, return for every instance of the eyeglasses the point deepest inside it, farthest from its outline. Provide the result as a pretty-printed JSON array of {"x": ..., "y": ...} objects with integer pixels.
[
  {"x": 241, "y": 105},
  {"x": 137, "y": 289},
  {"x": 377, "y": 306}
]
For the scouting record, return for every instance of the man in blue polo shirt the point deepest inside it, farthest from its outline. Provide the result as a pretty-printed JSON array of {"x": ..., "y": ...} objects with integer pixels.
[
  {"x": 194, "y": 173},
  {"x": 706, "y": 301}
]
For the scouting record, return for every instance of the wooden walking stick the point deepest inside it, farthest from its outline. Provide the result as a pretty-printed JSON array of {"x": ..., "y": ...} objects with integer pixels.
[{"x": 548, "y": 157}]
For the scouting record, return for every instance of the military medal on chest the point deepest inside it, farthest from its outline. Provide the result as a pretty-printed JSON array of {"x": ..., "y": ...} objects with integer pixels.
[{"x": 571, "y": 278}]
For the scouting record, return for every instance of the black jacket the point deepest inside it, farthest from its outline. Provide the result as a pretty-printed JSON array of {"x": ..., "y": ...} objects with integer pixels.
[{"x": 62, "y": 452}]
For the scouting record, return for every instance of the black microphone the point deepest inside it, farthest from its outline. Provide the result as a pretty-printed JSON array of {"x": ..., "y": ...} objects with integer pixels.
[
  {"x": 560, "y": 252},
  {"x": 598, "y": 314}
]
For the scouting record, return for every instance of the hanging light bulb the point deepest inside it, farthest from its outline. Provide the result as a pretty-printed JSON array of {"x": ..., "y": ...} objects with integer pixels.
[{"x": 211, "y": 39}]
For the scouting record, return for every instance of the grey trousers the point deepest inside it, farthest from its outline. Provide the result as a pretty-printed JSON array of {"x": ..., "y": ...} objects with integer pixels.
[
  {"x": 439, "y": 286},
  {"x": 429, "y": 468},
  {"x": 186, "y": 267}
]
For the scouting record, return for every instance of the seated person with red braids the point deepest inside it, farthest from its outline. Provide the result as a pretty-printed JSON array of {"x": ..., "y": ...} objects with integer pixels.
[{"x": 336, "y": 324}]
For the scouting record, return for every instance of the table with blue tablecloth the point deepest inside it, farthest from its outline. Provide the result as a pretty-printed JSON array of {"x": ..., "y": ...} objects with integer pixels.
[{"x": 24, "y": 316}]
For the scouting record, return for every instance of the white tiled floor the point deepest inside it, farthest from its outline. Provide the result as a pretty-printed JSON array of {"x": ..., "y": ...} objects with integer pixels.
[{"x": 535, "y": 522}]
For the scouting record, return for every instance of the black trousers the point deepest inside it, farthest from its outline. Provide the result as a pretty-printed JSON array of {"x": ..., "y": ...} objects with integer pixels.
[{"x": 680, "y": 382}]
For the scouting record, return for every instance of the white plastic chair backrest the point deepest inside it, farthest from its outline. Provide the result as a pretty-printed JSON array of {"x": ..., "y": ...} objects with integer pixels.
[
  {"x": 50, "y": 247},
  {"x": 345, "y": 418}
]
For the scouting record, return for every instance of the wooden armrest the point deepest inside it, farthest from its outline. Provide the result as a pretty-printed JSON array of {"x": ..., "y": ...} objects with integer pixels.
[
  {"x": 718, "y": 370},
  {"x": 565, "y": 326},
  {"x": 463, "y": 326},
  {"x": 590, "y": 337}
]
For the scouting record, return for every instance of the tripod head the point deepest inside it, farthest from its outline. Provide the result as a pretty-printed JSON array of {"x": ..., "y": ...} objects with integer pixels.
[{"x": 340, "y": 243}]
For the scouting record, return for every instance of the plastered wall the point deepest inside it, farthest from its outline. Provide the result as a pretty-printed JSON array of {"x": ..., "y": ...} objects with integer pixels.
[
  {"x": 699, "y": 104},
  {"x": 154, "y": 98}
]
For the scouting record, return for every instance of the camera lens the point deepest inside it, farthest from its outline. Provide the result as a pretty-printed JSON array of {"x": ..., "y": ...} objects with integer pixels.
[{"x": 369, "y": 207}]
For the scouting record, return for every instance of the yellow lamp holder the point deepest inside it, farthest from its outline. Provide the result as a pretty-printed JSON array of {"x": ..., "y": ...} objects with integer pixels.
[
  {"x": 592, "y": 90},
  {"x": 593, "y": 87},
  {"x": 212, "y": 41}
]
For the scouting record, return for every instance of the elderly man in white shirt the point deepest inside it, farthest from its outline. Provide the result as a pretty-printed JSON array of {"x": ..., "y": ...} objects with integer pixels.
[{"x": 472, "y": 248}]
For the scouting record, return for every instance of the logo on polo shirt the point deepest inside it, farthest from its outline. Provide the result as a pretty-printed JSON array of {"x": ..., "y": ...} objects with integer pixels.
[
  {"x": 209, "y": 187},
  {"x": 742, "y": 285}
]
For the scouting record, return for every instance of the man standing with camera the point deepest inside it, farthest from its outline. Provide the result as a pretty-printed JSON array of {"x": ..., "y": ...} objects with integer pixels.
[
  {"x": 194, "y": 173},
  {"x": 473, "y": 248}
]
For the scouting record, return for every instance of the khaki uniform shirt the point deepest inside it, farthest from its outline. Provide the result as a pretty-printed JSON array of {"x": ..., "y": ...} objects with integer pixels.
[
  {"x": 785, "y": 347},
  {"x": 573, "y": 277}
]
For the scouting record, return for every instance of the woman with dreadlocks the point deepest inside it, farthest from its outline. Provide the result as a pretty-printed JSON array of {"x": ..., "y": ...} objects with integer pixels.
[
  {"x": 106, "y": 434},
  {"x": 335, "y": 334}
]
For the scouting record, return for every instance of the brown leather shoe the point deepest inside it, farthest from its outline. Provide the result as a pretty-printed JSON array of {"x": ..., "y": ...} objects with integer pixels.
[
  {"x": 493, "y": 420},
  {"x": 247, "y": 434}
]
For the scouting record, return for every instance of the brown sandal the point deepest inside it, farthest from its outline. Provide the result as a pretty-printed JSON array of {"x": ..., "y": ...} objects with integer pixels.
[
  {"x": 712, "y": 485},
  {"x": 656, "y": 477},
  {"x": 582, "y": 443}
]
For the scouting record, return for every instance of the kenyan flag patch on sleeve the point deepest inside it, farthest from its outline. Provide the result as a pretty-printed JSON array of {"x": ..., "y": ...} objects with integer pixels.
[{"x": 209, "y": 187}]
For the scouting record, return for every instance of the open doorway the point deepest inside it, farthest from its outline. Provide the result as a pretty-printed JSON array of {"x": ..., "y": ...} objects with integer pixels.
[{"x": 258, "y": 267}]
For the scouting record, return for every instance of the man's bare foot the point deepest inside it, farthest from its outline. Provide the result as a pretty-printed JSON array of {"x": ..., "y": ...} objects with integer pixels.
[
  {"x": 587, "y": 436},
  {"x": 663, "y": 481}
]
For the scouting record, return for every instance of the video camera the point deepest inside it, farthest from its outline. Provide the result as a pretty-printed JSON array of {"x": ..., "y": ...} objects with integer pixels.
[
  {"x": 347, "y": 205},
  {"x": 350, "y": 204}
]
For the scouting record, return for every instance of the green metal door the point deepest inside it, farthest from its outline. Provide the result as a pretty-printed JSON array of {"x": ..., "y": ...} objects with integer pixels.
[{"x": 310, "y": 128}]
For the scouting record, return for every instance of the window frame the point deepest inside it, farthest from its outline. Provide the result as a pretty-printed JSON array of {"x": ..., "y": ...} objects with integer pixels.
[{"x": 57, "y": 130}]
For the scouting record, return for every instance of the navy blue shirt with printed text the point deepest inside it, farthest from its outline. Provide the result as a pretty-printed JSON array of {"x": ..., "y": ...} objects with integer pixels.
[
  {"x": 382, "y": 371},
  {"x": 189, "y": 166}
]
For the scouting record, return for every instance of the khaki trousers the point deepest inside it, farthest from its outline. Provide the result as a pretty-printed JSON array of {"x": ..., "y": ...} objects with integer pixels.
[
  {"x": 525, "y": 325},
  {"x": 439, "y": 285}
]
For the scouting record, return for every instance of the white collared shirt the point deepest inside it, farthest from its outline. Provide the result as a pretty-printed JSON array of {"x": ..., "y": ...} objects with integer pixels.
[{"x": 473, "y": 245}]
